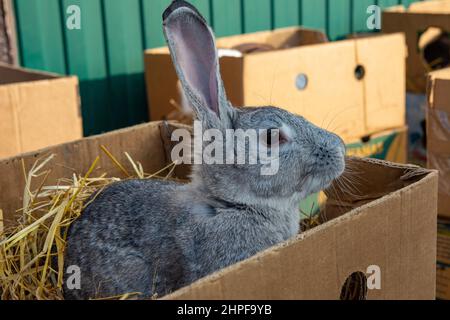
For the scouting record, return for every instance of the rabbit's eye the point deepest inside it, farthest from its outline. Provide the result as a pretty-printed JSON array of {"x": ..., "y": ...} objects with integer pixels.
[{"x": 273, "y": 136}]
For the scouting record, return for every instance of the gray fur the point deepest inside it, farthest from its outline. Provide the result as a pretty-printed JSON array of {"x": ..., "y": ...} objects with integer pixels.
[{"x": 156, "y": 236}]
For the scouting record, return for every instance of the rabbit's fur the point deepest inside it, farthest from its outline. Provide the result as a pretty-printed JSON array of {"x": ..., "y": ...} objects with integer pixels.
[{"x": 155, "y": 236}]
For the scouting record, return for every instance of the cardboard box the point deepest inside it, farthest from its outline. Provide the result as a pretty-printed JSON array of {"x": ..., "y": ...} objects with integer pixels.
[
  {"x": 443, "y": 261},
  {"x": 144, "y": 143},
  {"x": 390, "y": 145},
  {"x": 384, "y": 235},
  {"x": 416, "y": 113},
  {"x": 37, "y": 110},
  {"x": 8, "y": 45},
  {"x": 370, "y": 234},
  {"x": 427, "y": 29},
  {"x": 438, "y": 133},
  {"x": 355, "y": 87}
]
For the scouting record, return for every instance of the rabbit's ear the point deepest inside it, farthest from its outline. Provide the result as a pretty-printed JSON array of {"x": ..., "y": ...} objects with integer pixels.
[{"x": 194, "y": 54}]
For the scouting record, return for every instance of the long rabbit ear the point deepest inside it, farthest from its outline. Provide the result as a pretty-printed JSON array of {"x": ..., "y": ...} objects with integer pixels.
[{"x": 194, "y": 54}]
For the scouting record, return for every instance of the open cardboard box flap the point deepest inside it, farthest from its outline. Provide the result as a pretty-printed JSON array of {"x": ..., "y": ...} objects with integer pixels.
[
  {"x": 279, "y": 39},
  {"x": 8, "y": 34},
  {"x": 389, "y": 223}
]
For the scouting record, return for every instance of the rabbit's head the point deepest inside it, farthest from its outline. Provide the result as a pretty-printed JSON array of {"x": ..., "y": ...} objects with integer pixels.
[{"x": 308, "y": 157}]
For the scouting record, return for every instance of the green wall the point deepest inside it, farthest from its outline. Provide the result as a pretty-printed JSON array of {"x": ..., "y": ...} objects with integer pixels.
[{"x": 107, "y": 53}]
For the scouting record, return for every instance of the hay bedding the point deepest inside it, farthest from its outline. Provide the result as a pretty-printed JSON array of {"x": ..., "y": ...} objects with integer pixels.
[{"x": 32, "y": 253}]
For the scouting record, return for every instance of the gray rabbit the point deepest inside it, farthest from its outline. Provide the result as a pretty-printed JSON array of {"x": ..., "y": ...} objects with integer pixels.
[{"x": 153, "y": 236}]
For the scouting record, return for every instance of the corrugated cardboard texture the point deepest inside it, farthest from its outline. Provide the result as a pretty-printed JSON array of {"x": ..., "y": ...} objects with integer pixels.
[
  {"x": 438, "y": 133},
  {"x": 443, "y": 260},
  {"x": 392, "y": 224},
  {"x": 8, "y": 50},
  {"x": 334, "y": 97},
  {"x": 395, "y": 230},
  {"x": 37, "y": 110},
  {"x": 414, "y": 22}
]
